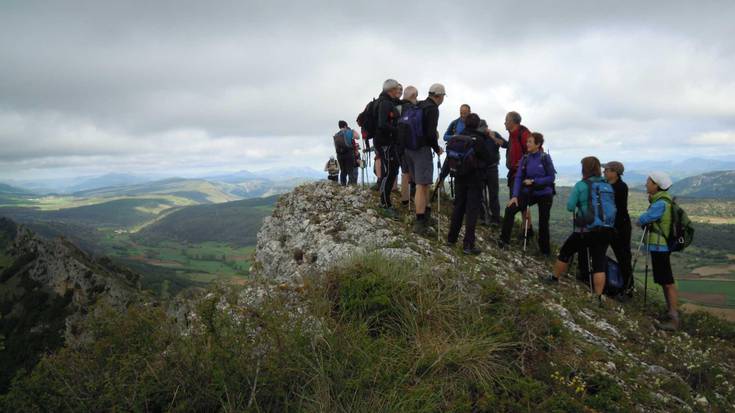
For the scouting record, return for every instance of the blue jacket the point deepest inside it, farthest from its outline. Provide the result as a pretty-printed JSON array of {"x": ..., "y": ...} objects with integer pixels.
[
  {"x": 539, "y": 167},
  {"x": 578, "y": 200},
  {"x": 655, "y": 213},
  {"x": 455, "y": 128}
]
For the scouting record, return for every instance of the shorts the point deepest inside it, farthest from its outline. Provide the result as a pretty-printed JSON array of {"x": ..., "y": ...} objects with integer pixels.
[
  {"x": 596, "y": 241},
  {"x": 661, "y": 263},
  {"x": 420, "y": 165},
  {"x": 404, "y": 163}
]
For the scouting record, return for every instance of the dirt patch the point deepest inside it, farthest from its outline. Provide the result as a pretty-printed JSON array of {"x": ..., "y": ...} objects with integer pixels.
[
  {"x": 705, "y": 298},
  {"x": 725, "y": 313},
  {"x": 160, "y": 263}
]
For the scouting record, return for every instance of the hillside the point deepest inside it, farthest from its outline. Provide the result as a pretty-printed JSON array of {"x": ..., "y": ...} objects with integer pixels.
[
  {"x": 10, "y": 190},
  {"x": 347, "y": 311},
  {"x": 197, "y": 190},
  {"x": 236, "y": 223},
  {"x": 717, "y": 185},
  {"x": 46, "y": 290}
]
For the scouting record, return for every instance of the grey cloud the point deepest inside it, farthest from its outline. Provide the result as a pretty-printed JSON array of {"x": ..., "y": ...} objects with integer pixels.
[{"x": 119, "y": 79}]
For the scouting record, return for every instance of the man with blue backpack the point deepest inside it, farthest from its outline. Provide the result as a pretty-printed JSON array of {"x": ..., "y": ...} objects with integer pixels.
[
  {"x": 344, "y": 146},
  {"x": 418, "y": 136},
  {"x": 592, "y": 200}
]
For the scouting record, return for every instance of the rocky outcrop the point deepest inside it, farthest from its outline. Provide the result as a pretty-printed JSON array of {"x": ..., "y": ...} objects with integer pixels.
[
  {"x": 60, "y": 270},
  {"x": 319, "y": 225}
]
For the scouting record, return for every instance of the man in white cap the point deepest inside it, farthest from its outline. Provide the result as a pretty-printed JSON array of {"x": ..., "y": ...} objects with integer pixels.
[
  {"x": 658, "y": 220},
  {"x": 420, "y": 161}
]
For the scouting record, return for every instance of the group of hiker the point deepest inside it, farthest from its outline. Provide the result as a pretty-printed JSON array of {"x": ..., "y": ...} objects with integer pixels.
[{"x": 404, "y": 136}]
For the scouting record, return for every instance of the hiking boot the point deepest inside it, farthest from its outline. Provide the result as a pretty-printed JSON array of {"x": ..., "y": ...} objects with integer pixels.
[
  {"x": 420, "y": 226},
  {"x": 663, "y": 317},
  {"x": 623, "y": 298},
  {"x": 600, "y": 301},
  {"x": 503, "y": 245},
  {"x": 450, "y": 243},
  {"x": 671, "y": 325},
  {"x": 390, "y": 212},
  {"x": 471, "y": 251},
  {"x": 550, "y": 279}
]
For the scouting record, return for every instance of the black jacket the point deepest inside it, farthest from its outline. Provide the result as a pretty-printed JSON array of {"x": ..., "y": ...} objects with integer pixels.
[
  {"x": 493, "y": 149},
  {"x": 483, "y": 157},
  {"x": 430, "y": 123},
  {"x": 387, "y": 120},
  {"x": 622, "y": 218}
]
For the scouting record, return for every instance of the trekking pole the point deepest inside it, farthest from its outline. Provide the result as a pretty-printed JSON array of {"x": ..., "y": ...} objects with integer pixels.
[
  {"x": 525, "y": 234},
  {"x": 438, "y": 213},
  {"x": 589, "y": 270},
  {"x": 638, "y": 251},
  {"x": 645, "y": 285}
]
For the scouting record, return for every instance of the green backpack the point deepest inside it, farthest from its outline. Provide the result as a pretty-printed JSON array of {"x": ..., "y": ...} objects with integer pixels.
[{"x": 681, "y": 232}]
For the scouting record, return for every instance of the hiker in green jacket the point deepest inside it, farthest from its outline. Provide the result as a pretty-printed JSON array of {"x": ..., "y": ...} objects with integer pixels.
[{"x": 658, "y": 219}]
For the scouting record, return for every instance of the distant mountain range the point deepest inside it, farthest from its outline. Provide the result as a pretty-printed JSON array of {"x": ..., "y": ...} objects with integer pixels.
[
  {"x": 636, "y": 172},
  {"x": 719, "y": 184},
  {"x": 84, "y": 184}
]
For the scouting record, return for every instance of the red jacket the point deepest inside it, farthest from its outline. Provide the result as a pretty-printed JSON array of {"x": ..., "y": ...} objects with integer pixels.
[{"x": 517, "y": 145}]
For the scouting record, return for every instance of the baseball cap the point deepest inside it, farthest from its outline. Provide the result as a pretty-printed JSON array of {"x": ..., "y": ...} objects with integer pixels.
[
  {"x": 615, "y": 166},
  {"x": 437, "y": 89},
  {"x": 661, "y": 179}
]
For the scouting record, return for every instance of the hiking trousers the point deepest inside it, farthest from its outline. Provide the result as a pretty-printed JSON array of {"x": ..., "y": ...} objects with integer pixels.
[
  {"x": 620, "y": 244},
  {"x": 490, "y": 201},
  {"x": 346, "y": 168},
  {"x": 389, "y": 164},
  {"x": 467, "y": 205},
  {"x": 544, "y": 213}
]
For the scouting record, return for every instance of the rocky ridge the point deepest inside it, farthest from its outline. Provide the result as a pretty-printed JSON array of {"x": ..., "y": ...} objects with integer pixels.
[{"x": 319, "y": 225}]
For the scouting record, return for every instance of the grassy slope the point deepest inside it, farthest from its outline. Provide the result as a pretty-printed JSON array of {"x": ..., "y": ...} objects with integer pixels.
[{"x": 235, "y": 223}]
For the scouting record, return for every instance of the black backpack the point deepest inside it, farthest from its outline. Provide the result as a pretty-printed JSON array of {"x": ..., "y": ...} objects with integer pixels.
[
  {"x": 681, "y": 231},
  {"x": 461, "y": 155},
  {"x": 368, "y": 118}
]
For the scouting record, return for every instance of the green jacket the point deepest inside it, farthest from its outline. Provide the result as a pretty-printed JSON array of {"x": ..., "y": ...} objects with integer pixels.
[
  {"x": 579, "y": 197},
  {"x": 658, "y": 216}
]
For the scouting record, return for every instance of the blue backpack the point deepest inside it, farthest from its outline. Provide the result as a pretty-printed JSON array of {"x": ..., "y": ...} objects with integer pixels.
[
  {"x": 601, "y": 208},
  {"x": 411, "y": 127},
  {"x": 613, "y": 279},
  {"x": 349, "y": 135}
]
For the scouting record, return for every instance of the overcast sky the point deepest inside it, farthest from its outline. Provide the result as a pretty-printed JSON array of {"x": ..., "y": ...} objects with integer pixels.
[{"x": 187, "y": 87}]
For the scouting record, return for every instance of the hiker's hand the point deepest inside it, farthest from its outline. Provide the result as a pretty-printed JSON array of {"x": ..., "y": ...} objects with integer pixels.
[
  {"x": 528, "y": 182},
  {"x": 513, "y": 201}
]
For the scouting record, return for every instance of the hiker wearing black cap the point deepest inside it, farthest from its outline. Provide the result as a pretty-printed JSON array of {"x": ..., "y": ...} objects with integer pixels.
[
  {"x": 385, "y": 142},
  {"x": 344, "y": 141},
  {"x": 620, "y": 242},
  {"x": 420, "y": 159},
  {"x": 467, "y": 182},
  {"x": 533, "y": 185}
]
